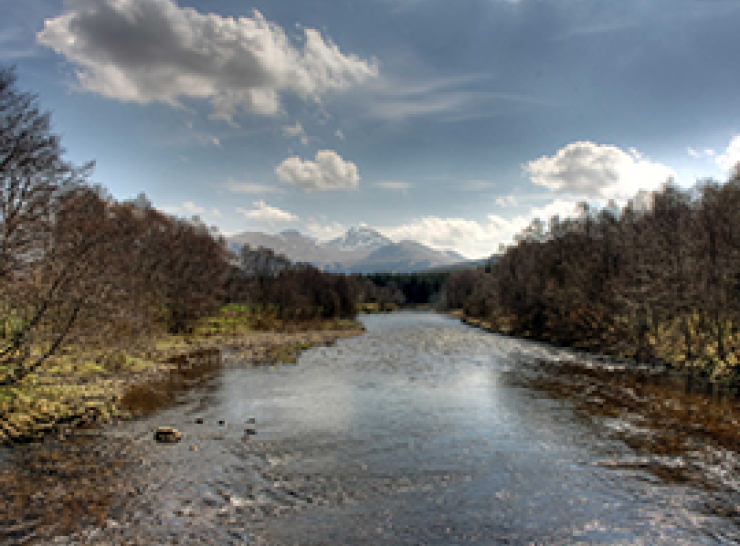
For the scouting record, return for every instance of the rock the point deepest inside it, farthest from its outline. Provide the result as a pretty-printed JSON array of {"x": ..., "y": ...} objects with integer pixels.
[
  {"x": 250, "y": 431},
  {"x": 193, "y": 448},
  {"x": 251, "y": 421},
  {"x": 167, "y": 435},
  {"x": 199, "y": 421},
  {"x": 222, "y": 423}
]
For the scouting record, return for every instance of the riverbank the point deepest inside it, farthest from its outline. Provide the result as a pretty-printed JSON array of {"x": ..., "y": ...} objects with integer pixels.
[
  {"x": 700, "y": 378},
  {"x": 683, "y": 427},
  {"x": 87, "y": 387},
  {"x": 663, "y": 412},
  {"x": 376, "y": 308}
]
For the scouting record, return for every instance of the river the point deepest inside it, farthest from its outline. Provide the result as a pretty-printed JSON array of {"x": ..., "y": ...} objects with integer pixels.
[{"x": 414, "y": 433}]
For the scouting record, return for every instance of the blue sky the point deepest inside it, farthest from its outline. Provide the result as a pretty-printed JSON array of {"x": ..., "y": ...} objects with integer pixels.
[{"x": 451, "y": 123}]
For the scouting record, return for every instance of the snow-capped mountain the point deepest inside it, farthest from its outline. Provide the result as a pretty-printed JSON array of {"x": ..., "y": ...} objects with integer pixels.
[
  {"x": 360, "y": 250},
  {"x": 359, "y": 238}
]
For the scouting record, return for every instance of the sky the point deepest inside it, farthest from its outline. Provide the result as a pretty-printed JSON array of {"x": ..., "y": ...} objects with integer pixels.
[{"x": 452, "y": 123}]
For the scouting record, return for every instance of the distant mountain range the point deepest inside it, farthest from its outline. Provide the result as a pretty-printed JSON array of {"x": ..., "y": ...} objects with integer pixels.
[{"x": 360, "y": 250}]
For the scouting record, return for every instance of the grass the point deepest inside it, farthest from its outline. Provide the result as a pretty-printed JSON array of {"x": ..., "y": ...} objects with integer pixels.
[
  {"x": 374, "y": 307},
  {"x": 80, "y": 383},
  {"x": 288, "y": 354}
]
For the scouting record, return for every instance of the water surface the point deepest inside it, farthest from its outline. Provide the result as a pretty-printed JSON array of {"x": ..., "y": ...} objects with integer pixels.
[{"x": 411, "y": 434}]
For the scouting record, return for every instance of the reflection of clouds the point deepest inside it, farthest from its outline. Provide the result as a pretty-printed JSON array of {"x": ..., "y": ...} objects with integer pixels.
[
  {"x": 317, "y": 401},
  {"x": 324, "y": 403}
]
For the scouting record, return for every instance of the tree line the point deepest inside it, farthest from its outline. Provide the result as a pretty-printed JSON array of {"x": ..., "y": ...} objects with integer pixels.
[
  {"x": 78, "y": 267},
  {"x": 411, "y": 288},
  {"x": 658, "y": 279},
  {"x": 293, "y": 292}
]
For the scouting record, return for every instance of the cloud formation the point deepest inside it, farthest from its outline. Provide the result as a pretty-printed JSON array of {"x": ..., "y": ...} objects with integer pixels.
[
  {"x": 702, "y": 154},
  {"x": 731, "y": 157},
  {"x": 155, "y": 51},
  {"x": 189, "y": 207},
  {"x": 507, "y": 201},
  {"x": 472, "y": 238},
  {"x": 296, "y": 131},
  {"x": 265, "y": 213},
  {"x": 597, "y": 171},
  {"x": 324, "y": 230},
  {"x": 193, "y": 208},
  {"x": 328, "y": 172}
]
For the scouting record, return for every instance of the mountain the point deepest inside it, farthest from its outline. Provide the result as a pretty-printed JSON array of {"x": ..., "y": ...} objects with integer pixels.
[
  {"x": 290, "y": 243},
  {"x": 359, "y": 238},
  {"x": 360, "y": 250},
  {"x": 468, "y": 264},
  {"x": 456, "y": 256},
  {"x": 402, "y": 257}
]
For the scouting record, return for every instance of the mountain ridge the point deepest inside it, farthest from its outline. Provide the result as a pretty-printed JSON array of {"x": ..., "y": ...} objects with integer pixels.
[{"x": 360, "y": 250}]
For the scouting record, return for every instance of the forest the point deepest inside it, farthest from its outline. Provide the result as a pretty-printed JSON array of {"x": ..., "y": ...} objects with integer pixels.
[
  {"x": 415, "y": 288},
  {"x": 80, "y": 269},
  {"x": 657, "y": 280}
]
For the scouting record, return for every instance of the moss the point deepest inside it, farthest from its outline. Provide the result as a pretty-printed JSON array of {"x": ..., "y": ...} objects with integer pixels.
[{"x": 288, "y": 354}]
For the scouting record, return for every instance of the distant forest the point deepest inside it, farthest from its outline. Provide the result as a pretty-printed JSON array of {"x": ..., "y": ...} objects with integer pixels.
[{"x": 417, "y": 288}]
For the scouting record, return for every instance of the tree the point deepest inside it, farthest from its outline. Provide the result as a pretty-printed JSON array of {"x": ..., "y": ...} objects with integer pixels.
[
  {"x": 32, "y": 173},
  {"x": 184, "y": 267},
  {"x": 33, "y": 180}
]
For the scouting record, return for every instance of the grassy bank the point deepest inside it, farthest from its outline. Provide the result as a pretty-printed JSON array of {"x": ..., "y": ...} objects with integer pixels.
[
  {"x": 375, "y": 308},
  {"x": 81, "y": 385},
  {"x": 665, "y": 341}
]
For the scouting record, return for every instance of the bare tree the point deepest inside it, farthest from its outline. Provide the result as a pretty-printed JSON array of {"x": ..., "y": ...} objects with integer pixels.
[
  {"x": 33, "y": 177},
  {"x": 32, "y": 173}
]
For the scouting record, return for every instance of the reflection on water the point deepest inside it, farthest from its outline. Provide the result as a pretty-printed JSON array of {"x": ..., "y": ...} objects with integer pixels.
[{"x": 418, "y": 432}]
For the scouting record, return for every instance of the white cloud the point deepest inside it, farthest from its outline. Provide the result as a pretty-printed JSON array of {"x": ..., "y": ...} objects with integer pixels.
[
  {"x": 155, "y": 51},
  {"x": 188, "y": 207},
  {"x": 249, "y": 188},
  {"x": 394, "y": 185},
  {"x": 323, "y": 230},
  {"x": 507, "y": 201},
  {"x": 296, "y": 131},
  {"x": 593, "y": 170},
  {"x": 328, "y": 172},
  {"x": 191, "y": 207},
  {"x": 200, "y": 137},
  {"x": 265, "y": 213},
  {"x": 472, "y": 238},
  {"x": 442, "y": 99},
  {"x": 702, "y": 154},
  {"x": 731, "y": 156}
]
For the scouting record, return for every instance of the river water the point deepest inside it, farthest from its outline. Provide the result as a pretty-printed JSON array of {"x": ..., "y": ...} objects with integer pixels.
[{"x": 413, "y": 433}]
